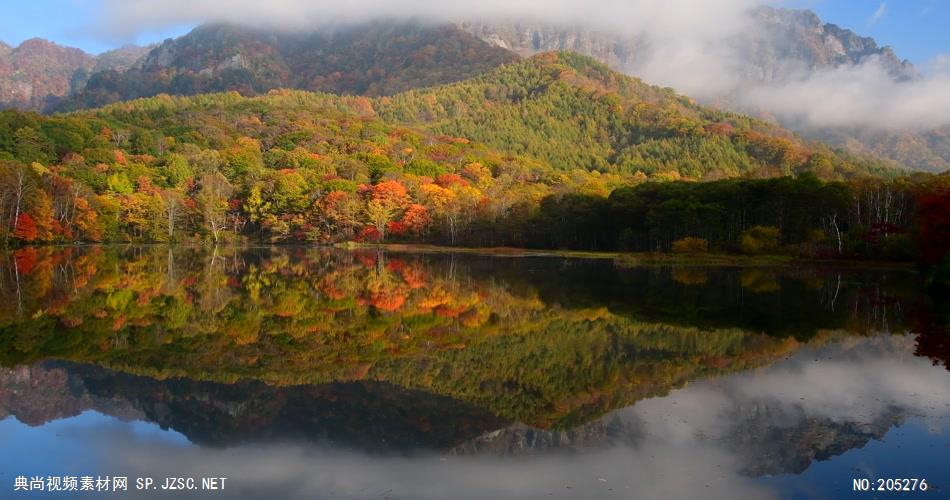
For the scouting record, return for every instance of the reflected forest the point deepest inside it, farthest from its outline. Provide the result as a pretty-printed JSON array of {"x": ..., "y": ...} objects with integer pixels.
[{"x": 547, "y": 341}]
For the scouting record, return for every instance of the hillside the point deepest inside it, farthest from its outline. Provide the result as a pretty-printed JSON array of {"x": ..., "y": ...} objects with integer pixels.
[
  {"x": 294, "y": 165},
  {"x": 573, "y": 112},
  {"x": 36, "y": 70},
  {"x": 779, "y": 46},
  {"x": 385, "y": 58},
  {"x": 37, "y": 74},
  {"x": 368, "y": 59}
]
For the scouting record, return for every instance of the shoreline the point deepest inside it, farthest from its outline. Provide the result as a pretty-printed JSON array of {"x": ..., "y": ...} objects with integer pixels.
[
  {"x": 633, "y": 259},
  {"x": 622, "y": 259}
]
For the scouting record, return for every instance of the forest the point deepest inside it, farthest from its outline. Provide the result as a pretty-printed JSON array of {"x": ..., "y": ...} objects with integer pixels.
[{"x": 556, "y": 151}]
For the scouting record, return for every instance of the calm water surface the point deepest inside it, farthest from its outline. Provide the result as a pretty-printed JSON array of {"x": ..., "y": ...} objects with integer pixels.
[{"x": 315, "y": 373}]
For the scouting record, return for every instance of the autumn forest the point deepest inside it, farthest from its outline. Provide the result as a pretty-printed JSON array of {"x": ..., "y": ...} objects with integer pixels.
[{"x": 575, "y": 157}]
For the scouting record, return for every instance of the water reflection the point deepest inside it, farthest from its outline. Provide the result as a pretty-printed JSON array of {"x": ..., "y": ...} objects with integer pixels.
[
  {"x": 713, "y": 437},
  {"x": 313, "y": 373},
  {"x": 365, "y": 415}
]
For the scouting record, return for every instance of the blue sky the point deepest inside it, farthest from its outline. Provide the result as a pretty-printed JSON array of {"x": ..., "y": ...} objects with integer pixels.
[
  {"x": 915, "y": 28},
  {"x": 67, "y": 22}
]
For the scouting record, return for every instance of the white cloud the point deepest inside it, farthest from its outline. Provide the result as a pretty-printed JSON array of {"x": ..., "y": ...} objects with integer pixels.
[
  {"x": 940, "y": 65},
  {"x": 864, "y": 96},
  {"x": 674, "y": 17},
  {"x": 688, "y": 45},
  {"x": 879, "y": 13}
]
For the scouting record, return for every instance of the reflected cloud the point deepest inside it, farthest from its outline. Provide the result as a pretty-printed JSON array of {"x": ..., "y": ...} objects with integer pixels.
[
  {"x": 818, "y": 403},
  {"x": 711, "y": 439},
  {"x": 650, "y": 471}
]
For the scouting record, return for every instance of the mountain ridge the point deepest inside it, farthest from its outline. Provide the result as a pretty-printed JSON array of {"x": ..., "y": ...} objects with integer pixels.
[
  {"x": 784, "y": 46},
  {"x": 777, "y": 34},
  {"x": 38, "y": 73},
  {"x": 377, "y": 58},
  {"x": 386, "y": 58}
]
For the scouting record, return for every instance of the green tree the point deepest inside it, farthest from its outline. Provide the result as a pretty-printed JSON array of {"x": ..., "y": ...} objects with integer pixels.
[{"x": 30, "y": 146}]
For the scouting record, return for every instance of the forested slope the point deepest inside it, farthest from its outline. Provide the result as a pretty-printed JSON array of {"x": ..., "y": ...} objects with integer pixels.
[{"x": 524, "y": 155}]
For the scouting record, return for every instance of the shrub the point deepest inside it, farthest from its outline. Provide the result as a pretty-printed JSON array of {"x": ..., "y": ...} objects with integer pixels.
[
  {"x": 760, "y": 240},
  {"x": 690, "y": 244}
]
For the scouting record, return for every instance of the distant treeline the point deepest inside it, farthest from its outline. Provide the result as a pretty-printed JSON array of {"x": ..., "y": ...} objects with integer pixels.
[{"x": 901, "y": 219}]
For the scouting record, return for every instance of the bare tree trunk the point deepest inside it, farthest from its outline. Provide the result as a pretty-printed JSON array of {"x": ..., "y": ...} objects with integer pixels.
[
  {"x": 171, "y": 211},
  {"x": 19, "y": 198},
  {"x": 214, "y": 228},
  {"x": 834, "y": 223}
]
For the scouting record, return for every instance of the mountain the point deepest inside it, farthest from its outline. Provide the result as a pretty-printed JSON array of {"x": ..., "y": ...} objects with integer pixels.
[
  {"x": 368, "y": 415},
  {"x": 38, "y": 70},
  {"x": 385, "y": 58},
  {"x": 564, "y": 111},
  {"x": 524, "y": 155},
  {"x": 121, "y": 58},
  {"x": 781, "y": 46},
  {"x": 573, "y": 112},
  {"x": 37, "y": 73},
  {"x": 919, "y": 150},
  {"x": 369, "y": 59},
  {"x": 527, "y": 39},
  {"x": 785, "y": 43}
]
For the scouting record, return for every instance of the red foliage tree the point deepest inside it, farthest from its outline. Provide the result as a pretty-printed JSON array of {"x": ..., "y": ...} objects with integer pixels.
[
  {"x": 369, "y": 233},
  {"x": 395, "y": 228},
  {"x": 447, "y": 180},
  {"x": 391, "y": 193},
  {"x": 415, "y": 219},
  {"x": 25, "y": 228}
]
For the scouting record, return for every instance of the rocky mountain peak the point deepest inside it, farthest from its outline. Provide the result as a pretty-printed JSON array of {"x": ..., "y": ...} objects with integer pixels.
[
  {"x": 38, "y": 73},
  {"x": 782, "y": 36}
]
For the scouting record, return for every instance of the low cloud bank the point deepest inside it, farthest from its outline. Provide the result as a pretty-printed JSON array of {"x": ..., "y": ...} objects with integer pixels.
[
  {"x": 864, "y": 95},
  {"x": 688, "y": 45}
]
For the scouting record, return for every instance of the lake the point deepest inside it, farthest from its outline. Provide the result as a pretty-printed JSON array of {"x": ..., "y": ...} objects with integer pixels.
[{"x": 326, "y": 373}]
